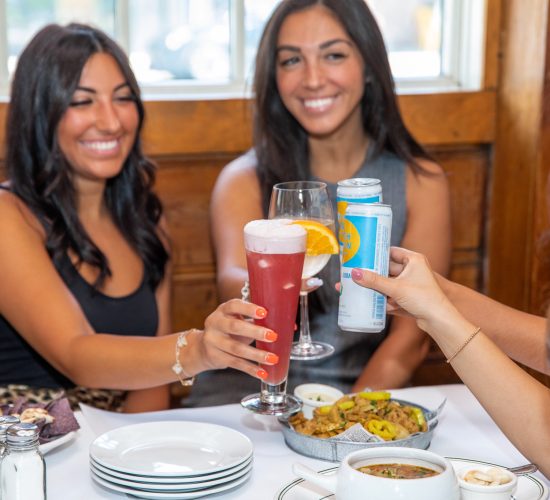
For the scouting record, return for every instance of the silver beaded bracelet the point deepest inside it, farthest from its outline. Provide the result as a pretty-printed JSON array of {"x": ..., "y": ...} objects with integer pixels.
[{"x": 177, "y": 368}]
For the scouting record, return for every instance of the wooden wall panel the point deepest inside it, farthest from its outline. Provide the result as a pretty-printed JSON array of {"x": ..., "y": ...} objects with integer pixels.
[
  {"x": 467, "y": 169},
  {"x": 193, "y": 299},
  {"x": 184, "y": 186},
  {"x": 195, "y": 127},
  {"x": 451, "y": 118}
]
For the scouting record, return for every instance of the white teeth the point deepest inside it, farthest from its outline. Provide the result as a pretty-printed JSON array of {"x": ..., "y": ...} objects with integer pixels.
[
  {"x": 102, "y": 145},
  {"x": 318, "y": 103}
]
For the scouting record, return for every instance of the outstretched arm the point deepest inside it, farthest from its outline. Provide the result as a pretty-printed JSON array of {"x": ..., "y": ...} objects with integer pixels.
[
  {"x": 520, "y": 335},
  {"x": 36, "y": 302},
  {"x": 428, "y": 231},
  {"x": 507, "y": 392}
]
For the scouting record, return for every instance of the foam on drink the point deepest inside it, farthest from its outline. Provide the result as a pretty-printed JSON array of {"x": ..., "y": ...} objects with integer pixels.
[{"x": 277, "y": 236}]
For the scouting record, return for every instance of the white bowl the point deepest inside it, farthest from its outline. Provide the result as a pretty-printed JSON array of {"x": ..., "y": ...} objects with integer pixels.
[
  {"x": 350, "y": 484},
  {"x": 316, "y": 395},
  {"x": 472, "y": 491}
]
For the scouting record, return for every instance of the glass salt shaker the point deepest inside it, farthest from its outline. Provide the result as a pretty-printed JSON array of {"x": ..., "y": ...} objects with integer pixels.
[
  {"x": 5, "y": 422},
  {"x": 23, "y": 472}
]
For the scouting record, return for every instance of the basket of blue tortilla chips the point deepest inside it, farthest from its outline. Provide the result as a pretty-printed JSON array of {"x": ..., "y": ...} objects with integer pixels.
[{"x": 54, "y": 419}]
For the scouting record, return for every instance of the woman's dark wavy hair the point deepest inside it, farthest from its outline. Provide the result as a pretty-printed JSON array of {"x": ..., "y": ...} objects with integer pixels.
[
  {"x": 281, "y": 143},
  {"x": 45, "y": 80}
]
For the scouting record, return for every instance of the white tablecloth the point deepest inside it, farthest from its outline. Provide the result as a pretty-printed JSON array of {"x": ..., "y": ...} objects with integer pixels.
[{"x": 465, "y": 430}]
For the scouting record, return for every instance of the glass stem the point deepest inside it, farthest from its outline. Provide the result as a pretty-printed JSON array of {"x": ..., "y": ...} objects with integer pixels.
[
  {"x": 273, "y": 394},
  {"x": 305, "y": 336}
]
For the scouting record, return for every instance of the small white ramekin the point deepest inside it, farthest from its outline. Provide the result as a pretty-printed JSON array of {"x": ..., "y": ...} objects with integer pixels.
[
  {"x": 471, "y": 491},
  {"x": 316, "y": 395}
]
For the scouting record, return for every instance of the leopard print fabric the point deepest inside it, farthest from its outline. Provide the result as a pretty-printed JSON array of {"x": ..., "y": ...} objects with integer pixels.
[{"x": 104, "y": 399}]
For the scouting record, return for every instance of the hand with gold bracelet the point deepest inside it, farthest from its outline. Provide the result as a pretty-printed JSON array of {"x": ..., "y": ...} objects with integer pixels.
[{"x": 413, "y": 289}]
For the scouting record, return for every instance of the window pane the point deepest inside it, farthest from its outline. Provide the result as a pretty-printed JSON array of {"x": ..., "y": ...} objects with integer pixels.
[
  {"x": 257, "y": 13},
  {"x": 26, "y": 17},
  {"x": 180, "y": 39},
  {"x": 412, "y": 32}
]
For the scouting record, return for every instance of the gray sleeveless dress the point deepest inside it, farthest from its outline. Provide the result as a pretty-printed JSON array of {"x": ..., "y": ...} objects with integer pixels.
[{"x": 352, "y": 350}]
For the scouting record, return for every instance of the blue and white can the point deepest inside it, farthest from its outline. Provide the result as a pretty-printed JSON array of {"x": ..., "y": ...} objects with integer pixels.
[
  {"x": 366, "y": 245},
  {"x": 356, "y": 190}
]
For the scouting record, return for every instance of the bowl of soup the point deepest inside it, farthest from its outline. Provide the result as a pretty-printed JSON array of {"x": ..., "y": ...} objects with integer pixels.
[{"x": 389, "y": 473}]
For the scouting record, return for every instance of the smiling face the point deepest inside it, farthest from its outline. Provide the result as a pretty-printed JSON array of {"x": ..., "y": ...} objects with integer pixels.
[
  {"x": 320, "y": 72},
  {"x": 99, "y": 128}
]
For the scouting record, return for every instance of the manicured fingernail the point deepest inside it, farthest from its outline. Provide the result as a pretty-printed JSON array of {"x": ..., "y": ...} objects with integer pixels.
[
  {"x": 262, "y": 374},
  {"x": 356, "y": 274},
  {"x": 271, "y": 359},
  {"x": 271, "y": 336},
  {"x": 261, "y": 312}
]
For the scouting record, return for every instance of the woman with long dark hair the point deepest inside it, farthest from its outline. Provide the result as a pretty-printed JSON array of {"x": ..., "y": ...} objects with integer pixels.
[
  {"x": 84, "y": 252},
  {"x": 325, "y": 109}
]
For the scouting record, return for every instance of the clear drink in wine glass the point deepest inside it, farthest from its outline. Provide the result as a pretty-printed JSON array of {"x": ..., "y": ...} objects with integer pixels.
[
  {"x": 275, "y": 251},
  {"x": 305, "y": 200}
]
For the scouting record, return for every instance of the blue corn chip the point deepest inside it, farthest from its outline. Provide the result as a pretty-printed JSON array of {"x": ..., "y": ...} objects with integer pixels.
[
  {"x": 64, "y": 422},
  {"x": 60, "y": 409}
]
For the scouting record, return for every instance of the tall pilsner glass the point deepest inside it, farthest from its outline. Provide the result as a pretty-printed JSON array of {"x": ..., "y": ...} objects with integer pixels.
[{"x": 275, "y": 251}]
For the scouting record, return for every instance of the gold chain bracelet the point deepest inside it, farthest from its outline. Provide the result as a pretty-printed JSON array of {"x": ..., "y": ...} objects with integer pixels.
[{"x": 466, "y": 342}]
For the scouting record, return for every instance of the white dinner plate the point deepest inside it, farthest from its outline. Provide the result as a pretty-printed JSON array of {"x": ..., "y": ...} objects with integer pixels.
[
  {"x": 529, "y": 487},
  {"x": 179, "y": 487},
  {"x": 169, "y": 449},
  {"x": 51, "y": 445},
  {"x": 172, "y": 480},
  {"x": 171, "y": 496}
]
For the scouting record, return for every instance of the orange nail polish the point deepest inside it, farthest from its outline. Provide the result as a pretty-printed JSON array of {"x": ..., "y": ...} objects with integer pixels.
[
  {"x": 262, "y": 374},
  {"x": 271, "y": 336},
  {"x": 271, "y": 358},
  {"x": 261, "y": 312}
]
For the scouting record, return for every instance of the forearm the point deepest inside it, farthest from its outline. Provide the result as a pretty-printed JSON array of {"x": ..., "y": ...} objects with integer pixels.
[
  {"x": 397, "y": 358},
  {"x": 127, "y": 363},
  {"x": 518, "y": 403},
  {"x": 520, "y": 335}
]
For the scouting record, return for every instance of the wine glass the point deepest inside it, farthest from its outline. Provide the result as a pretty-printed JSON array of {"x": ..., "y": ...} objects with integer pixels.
[
  {"x": 275, "y": 251},
  {"x": 305, "y": 200}
]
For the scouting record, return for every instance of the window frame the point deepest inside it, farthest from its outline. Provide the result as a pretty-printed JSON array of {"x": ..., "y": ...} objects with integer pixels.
[{"x": 462, "y": 56}]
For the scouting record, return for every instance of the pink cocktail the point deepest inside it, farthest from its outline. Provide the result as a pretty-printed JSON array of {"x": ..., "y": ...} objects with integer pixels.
[{"x": 275, "y": 251}]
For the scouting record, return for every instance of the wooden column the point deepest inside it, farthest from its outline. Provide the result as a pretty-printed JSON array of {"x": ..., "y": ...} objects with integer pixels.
[
  {"x": 519, "y": 162},
  {"x": 518, "y": 270}
]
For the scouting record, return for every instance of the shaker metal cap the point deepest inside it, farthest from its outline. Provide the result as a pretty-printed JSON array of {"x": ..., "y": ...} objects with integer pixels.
[
  {"x": 22, "y": 434},
  {"x": 7, "y": 421}
]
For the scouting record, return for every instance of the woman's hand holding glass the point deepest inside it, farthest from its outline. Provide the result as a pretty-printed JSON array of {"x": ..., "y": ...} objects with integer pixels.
[{"x": 225, "y": 342}]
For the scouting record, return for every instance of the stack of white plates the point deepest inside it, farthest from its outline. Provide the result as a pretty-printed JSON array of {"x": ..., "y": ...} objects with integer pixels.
[{"x": 171, "y": 460}]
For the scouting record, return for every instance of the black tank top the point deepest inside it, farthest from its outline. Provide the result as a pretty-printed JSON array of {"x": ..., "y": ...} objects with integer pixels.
[{"x": 134, "y": 314}]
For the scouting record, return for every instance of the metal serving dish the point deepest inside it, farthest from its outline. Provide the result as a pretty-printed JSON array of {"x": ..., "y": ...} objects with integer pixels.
[{"x": 334, "y": 449}]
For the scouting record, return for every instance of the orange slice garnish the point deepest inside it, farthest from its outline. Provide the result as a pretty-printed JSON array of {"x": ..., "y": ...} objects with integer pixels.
[{"x": 320, "y": 238}]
